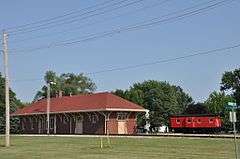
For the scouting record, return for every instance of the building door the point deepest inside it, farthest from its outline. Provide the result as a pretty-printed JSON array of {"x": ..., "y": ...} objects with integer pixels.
[
  {"x": 79, "y": 125},
  {"x": 122, "y": 127}
]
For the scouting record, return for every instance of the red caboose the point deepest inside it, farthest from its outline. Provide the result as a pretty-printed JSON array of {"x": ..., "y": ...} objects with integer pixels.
[{"x": 200, "y": 123}]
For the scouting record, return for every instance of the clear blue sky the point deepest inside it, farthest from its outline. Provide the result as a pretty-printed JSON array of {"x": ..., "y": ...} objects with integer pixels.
[{"x": 198, "y": 76}]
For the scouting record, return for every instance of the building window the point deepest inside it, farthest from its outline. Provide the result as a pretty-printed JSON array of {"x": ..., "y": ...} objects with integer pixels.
[
  {"x": 42, "y": 124},
  {"x": 121, "y": 116},
  {"x": 32, "y": 123},
  {"x": 23, "y": 124},
  {"x": 51, "y": 123},
  {"x": 65, "y": 119},
  {"x": 79, "y": 118},
  {"x": 94, "y": 118}
]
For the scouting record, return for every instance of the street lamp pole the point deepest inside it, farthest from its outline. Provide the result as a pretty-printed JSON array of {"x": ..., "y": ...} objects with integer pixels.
[{"x": 48, "y": 105}]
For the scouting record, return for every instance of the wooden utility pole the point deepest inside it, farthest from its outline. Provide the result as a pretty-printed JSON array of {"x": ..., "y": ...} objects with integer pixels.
[
  {"x": 48, "y": 107},
  {"x": 7, "y": 107}
]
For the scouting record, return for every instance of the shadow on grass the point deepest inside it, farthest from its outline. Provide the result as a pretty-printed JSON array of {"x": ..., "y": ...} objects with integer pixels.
[{"x": 3, "y": 146}]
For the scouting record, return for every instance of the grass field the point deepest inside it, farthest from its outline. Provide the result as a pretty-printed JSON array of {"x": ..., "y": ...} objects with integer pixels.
[{"x": 121, "y": 148}]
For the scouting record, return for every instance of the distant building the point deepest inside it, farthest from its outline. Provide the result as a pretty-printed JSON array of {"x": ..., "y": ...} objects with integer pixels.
[{"x": 99, "y": 113}]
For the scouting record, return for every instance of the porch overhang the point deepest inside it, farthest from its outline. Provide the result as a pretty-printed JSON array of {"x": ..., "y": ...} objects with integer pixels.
[{"x": 82, "y": 111}]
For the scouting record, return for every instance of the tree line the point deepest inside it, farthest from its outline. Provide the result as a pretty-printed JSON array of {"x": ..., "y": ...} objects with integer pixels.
[{"x": 161, "y": 98}]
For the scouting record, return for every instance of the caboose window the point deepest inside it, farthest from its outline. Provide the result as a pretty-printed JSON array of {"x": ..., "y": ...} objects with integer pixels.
[
  {"x": 199, "y": 120},
  {"x": 178, "y": 121},
  {"x": 210, "y": 120},
  {"x": 189, "y": 120}
]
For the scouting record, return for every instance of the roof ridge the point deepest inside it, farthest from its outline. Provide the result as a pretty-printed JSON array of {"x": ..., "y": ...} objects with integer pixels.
[{"x": 78, "y": 95}]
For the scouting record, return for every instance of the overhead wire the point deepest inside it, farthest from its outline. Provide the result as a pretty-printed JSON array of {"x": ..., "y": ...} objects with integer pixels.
[
  {"x": 141, "y": 25},
  {"x": 72, "y": 20},
  {"x": 190, "y": 13},
  {"x": 91, "y": 23},
  {"x": 58, "y": 17},
  {"x": 193, "y": 54},
  {"x": 214, "y": 51},
  {"x": 151, "y": 21}
]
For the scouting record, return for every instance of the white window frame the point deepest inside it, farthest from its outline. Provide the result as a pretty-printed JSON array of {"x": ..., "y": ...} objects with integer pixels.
[{"x": 122, "y": 116}]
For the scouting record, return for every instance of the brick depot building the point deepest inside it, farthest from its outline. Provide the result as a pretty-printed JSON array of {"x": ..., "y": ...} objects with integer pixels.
[{"x": 100, "y": 113}]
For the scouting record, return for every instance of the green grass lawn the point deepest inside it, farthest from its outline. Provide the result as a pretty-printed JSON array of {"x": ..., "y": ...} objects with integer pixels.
[{"x": 121, "y": 148}]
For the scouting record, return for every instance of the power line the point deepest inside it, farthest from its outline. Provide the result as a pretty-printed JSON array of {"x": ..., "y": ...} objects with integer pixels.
[
  {"x": 166, "y": 60},
  {"x": 58, "y": 17},
  {"x": 67, "y": 21},
  {"x": 146, "y": 23},
  {"x": 22, "y": 30},
  {"x": 193, "y": 54},
  {"x": 137, "y": 26},
  {"x": 191, "y": 13},
  {"x": 105, "y": 33},
  {"x": 92, "y": 23}
]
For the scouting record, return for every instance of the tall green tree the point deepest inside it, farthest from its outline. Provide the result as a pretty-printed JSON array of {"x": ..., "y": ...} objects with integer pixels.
[
  {"x": 216, "y": 104},
  {"x": 67, "y": 84},
  {"x": 231, "y": 84},
  {"x": 161, "y": 98},
  {"x": 14, "y": 104},
  {"x": 199, "y": 108}
]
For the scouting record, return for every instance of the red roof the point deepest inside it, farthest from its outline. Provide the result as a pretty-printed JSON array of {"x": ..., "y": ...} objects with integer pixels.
[{"x": 80, "y": 103}]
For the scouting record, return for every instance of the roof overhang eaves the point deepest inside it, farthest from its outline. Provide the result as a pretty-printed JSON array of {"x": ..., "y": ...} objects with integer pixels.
[
  {"x": 127, "y": 110},
  {"x": 58, "y": 112},
  {"x": 79, "y": 111}
]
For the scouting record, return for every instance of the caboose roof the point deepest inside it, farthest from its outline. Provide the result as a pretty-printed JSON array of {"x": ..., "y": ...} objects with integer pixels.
[{"x": 195, "y": 115}]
